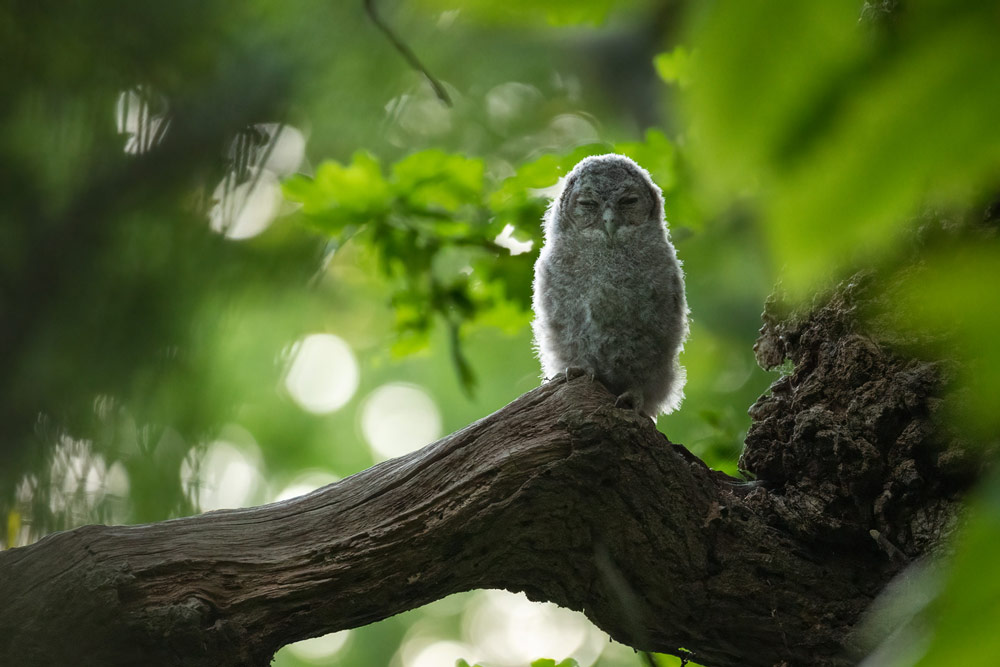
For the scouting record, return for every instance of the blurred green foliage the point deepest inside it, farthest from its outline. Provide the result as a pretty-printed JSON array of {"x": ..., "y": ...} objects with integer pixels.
[
  {"x": 852, "y": 132},
  {"x": 965, "y": 615},
  {"x": 946, "y": 294},
  {"x": 674, "y": 66},
  {"x": 135, "y": 335},
  {"x": 526, "y": 12},
  {"x": 840, "y": 130},
  {"x": 146, "y": 335}
]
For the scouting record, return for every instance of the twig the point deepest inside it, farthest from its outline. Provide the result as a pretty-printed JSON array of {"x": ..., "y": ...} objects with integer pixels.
[{"x": 406, "y": 52}]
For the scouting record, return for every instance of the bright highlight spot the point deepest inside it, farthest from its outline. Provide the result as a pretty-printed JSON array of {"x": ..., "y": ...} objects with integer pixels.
[
  {"x": 288, "y": 148},
  {"x": 319, "y": 649},
  {"x": 399, "y": 418},
  {"x": 323, "y": 374},
  {"x": 245, "y": 210},
  {"x": 510, "y": 102},
  {"x": 135, "y": 118},
  {"x": 228, "y": 474},
  {"x": 509, "y": 629},
  {"x": 426, "y": 652},
  {"x": 116, "y": 482},
  {"x": 417, "y": 115},
  {"x": 506, "y": 240},
  {"x": 246, "y": 202},
  {"x": 80, "y": 481},
  {"x": 550, "y": 192},
  {"x": 571, "y": 130}
]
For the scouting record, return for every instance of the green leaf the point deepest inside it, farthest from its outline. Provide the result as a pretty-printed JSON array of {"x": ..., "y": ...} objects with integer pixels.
[
  {"x": 914, "y": 132},
  {"x": 357, "y": 187},
  {"x": 302, "y": 189},
  {"x": 674, "y": 66},
  {"x": 842, "y": 134},
  {"x": 410, "y": 343},
  {"x": 761, "y": 67},
  {"x": 340, "y": 196},
  {"x": 435, "y": 179},
  {"x": 549, "y": 662}
]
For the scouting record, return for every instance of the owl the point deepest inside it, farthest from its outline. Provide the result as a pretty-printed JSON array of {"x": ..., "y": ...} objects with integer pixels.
[{"x": 609, "y": 291}]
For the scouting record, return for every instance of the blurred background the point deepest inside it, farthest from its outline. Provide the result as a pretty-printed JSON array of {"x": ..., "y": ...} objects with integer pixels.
[{"x": 249, "y": 249}]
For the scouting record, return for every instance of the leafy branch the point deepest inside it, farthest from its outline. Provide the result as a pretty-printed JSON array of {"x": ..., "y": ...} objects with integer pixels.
[{"x": 447, "y": 240}]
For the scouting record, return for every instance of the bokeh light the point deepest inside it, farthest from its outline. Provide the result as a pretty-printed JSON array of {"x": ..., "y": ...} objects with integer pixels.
[
  {"x": 399, "y": 418},
  {"x": 245, "y": 208},
  {"x": 83, "y": 483},
  {"x": 135, "y": 118},
  {"x": 427, "y": 652},
  {"x": 417, "y": 116},
  {"x": 506, "y": 240},
  {"x": 510, "y": 102},
  {"x": 227, "y": 475},
  {"x": 509, "y": 629},
  {"x": 287, "y": 149},
  {"x": 320, "y": 650},
  {"x": 323, "y": 374}
]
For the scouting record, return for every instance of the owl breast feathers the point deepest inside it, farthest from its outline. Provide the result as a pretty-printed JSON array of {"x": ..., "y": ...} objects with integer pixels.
[{"x": 609, "y": 290}]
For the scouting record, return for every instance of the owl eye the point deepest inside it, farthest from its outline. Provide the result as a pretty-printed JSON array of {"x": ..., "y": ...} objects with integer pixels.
[
  {"x": 586, "y": 203},
  {"x": 629, "y": 200}
]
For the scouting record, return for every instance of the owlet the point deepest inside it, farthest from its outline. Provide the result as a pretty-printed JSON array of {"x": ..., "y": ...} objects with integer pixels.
[{"x": 609, "y": 290}]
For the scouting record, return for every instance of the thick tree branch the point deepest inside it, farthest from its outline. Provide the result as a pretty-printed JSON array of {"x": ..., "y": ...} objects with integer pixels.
[{"x": 560, "y": 495}]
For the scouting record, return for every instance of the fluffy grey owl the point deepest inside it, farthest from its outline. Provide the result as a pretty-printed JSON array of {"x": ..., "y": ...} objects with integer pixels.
[{"x": 609, "y": 291}]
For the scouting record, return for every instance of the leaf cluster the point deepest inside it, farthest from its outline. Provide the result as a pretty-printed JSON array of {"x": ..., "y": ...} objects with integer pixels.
[{"x": 453, "y": 244}]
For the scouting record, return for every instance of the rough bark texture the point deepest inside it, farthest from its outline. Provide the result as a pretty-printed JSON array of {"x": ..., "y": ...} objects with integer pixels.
[
  {"x": 560, "y": 495},
  {"x": 847, "y": 443}
]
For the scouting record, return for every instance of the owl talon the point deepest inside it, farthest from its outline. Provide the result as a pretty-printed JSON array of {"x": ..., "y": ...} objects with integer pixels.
[
  {"x": 573, "y": 372},
  {"x": 629, "y": 401}
]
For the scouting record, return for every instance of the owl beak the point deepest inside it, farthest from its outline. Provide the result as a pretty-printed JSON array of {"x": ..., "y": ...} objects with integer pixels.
[{"x": 609, "y": 225}]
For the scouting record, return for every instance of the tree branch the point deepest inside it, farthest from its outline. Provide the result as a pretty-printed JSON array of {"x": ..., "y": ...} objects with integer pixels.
[{"x": 560, "y": 495}]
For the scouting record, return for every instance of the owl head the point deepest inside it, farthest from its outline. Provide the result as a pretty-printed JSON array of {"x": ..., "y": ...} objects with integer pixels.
[{"x": 607, "y": 197}]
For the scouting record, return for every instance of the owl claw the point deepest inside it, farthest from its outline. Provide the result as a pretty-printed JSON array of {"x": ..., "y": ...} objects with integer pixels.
[
  {"x": 576, "y": 371},
  {"x": 630, "y": 401}
]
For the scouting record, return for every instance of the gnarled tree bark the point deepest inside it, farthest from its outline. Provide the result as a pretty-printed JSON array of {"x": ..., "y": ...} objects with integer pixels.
[{"x": 560, "y": 495}]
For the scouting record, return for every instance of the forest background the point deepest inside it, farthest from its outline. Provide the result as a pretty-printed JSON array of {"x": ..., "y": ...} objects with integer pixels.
[{"x": 251, "y": 249}]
